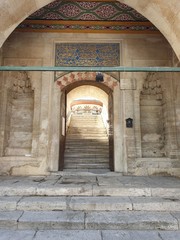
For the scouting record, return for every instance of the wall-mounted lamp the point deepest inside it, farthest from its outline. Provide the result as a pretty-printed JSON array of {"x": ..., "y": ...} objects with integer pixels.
[
  {"x": 99, "y": 77},
  {"x": 129, "y": 122}
]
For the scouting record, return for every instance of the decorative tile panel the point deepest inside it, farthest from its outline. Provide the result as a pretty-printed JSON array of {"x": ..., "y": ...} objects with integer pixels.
[{"x": 87, "y": 54}]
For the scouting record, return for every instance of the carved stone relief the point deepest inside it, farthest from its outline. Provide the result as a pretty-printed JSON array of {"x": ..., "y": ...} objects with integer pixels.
[{"x": 21, "y": 84}]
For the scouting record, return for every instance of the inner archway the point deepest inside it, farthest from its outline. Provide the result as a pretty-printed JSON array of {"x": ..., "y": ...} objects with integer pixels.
[{"x": 88, "y": 140}]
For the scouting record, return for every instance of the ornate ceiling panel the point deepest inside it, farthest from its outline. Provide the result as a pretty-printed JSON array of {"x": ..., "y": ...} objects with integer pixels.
[
  {"x": 97, "y": 16},
  {"x": 88, "y": 11}
]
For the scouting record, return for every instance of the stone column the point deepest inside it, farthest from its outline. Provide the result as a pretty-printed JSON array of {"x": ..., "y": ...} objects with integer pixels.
[
  {"x": 119, "y": 164},
  {"x": 45, "y": 119},
  {"x": 4, "y": 113},
  {"x": 1, "y": 108},
  {"x": 176, "y": 90},
  {"x": 36, "y": 86},
  {"x": 127, "y": 87},
  {"x": 170, "y": 120},
  {"x": 54, "y": 140}
]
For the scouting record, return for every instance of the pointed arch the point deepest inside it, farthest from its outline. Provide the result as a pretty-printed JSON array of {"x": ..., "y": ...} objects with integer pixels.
[{"x": 164, "y": 16}]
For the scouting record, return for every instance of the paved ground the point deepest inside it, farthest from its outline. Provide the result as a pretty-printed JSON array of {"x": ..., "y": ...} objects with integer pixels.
[
  {"x": 84, "y": 184},
  {"x": 87, "y": 206},
  {"x": 88, "y": 235}
]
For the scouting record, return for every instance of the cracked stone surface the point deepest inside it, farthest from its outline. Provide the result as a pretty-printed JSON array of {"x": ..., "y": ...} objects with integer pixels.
[
  {"x": 88, "y": 235},
  {"x": 89, "y": 207}
]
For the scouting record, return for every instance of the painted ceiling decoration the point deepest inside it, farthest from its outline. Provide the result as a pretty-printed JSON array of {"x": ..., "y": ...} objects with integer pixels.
[
  {"x": 87, "y": 16},
  {"x": 87, "y": 11}
]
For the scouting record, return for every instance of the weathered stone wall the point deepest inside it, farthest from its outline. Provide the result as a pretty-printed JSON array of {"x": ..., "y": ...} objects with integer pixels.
[
  {"x": 152, "y": 118},
  {"x": 150, "y": 147},
  {"x": 19, "y": 116}
]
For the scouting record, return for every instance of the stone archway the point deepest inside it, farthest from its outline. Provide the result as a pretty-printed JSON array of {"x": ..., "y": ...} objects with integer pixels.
[
  {"x": 112, "y": 86},
  {"x": 74, "y": 81},
  {"x": 164, "y": 16}
]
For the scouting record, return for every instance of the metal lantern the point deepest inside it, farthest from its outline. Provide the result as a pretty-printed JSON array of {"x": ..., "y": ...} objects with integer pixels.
[
  {"x": 129, "y": 122},
  {"x": 99, "y": 77}
]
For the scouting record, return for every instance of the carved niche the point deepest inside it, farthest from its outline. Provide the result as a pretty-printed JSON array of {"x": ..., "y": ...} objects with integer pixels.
[
  {"x": 152, "y": 117},
  {"x": 19, "y": 116}
]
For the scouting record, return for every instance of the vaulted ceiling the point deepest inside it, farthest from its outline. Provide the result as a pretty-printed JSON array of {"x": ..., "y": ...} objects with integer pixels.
[{"x": 107, "y": 16}]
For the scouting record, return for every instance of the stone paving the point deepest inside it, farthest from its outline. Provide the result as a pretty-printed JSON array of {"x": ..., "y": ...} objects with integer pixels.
[
  {"x": 89, "y": 206},
  {"x": 111, "y": 184},
  {"x": 88, "y": 235}
]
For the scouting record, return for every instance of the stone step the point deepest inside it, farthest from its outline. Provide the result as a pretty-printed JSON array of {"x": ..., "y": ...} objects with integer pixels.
[
  {"x": 87, "y": 128},
  {"x": 82, "y": 135},
  {"x": 90, "y": 185},
  {"x": 91, "y": 149},
  {"x": 100, "y": 203},
  {"x": 87, "y": 135},
  {"x": 85, "y": 154},
  {"x": 85, "y": 147},
  {"x": 89, "y": 161},
  {"x": 86, "y": 124},
  {"x": 78, "y": 137},
  {"x": 86, "y": 118},
  {"x": 79, "y": 220},
  {"x": 87, "y": 151},
  {"x": 84, "y": 144},
  {"x": 89, "y": 235},
  {"x": 91, "y": 142},
  {"x": 85, "y": 131},
  {"x": 86, "y": 115},
  {"x": 86, "y": 121},
  {"x": 88, "y": 165},
  {"x": 86, "y": 162}
]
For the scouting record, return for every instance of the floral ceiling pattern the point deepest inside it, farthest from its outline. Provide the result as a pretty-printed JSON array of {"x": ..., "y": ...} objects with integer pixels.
[
  {"x": 97, "y": 16},
  {"x": 87, "y": 11}
]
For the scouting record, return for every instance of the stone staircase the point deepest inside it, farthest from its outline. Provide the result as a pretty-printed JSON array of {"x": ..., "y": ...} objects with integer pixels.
[
  {"x": 86, "y": 206},
  {"x": 87, "y": 144}
]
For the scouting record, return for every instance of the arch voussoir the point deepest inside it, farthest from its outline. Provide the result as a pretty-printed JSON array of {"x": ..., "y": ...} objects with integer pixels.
[{"x": 72, "y": 77}]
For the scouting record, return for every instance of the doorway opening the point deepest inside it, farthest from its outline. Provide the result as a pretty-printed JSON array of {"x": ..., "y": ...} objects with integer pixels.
[{"x": 86, "y": 140}]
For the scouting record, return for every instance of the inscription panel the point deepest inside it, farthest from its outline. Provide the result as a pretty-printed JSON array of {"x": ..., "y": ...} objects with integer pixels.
[{"x": 87, "y": 54}]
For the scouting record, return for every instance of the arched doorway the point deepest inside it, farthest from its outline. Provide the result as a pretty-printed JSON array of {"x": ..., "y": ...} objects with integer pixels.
[{"x": 87, "y": 117}]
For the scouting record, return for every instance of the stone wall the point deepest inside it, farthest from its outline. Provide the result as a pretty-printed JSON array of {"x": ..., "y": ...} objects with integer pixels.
[
  {"x": 30, "y": 119},
  {"x": 152, "y": 118},
  {"x": 19, "y": 116}
]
